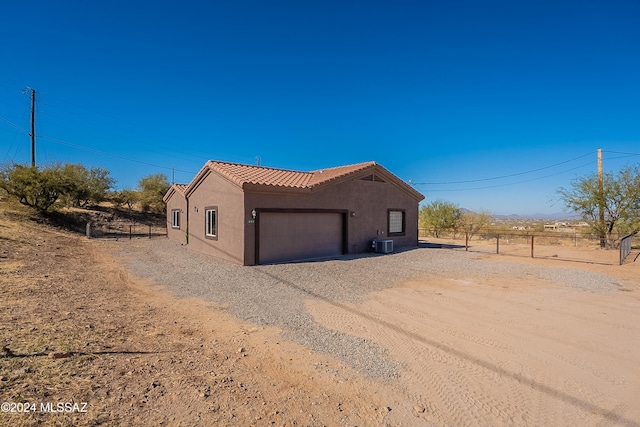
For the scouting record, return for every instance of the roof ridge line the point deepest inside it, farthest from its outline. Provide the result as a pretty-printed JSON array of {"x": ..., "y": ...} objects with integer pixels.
[
  {"x": 257, "y": 166},
  {"x": 371, "y": 162}
]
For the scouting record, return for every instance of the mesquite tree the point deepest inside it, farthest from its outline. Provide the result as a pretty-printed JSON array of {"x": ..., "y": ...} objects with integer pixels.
[{"x": 619, "y": 197}]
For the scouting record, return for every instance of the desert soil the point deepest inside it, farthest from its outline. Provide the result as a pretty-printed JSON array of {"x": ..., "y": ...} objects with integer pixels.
[
  {"x": 137, "y": 356},
  {"x": 473, "y": 350}
]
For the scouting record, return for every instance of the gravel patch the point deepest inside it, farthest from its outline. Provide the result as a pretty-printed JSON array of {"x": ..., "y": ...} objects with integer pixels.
[{"x": 274, "y": 295}]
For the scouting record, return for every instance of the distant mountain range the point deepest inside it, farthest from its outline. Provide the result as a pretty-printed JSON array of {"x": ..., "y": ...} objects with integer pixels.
[{"x": 557, "y": 215}]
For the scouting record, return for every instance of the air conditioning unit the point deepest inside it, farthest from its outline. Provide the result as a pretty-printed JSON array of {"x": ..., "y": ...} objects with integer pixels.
[{"x": 384, "y": 246}]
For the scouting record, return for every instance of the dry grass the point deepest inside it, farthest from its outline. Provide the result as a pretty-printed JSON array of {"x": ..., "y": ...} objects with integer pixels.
[
  {"x": 58, "y": 297},
  {"x": 136, "y": 355},
  {"x": 39, "y": 313}
]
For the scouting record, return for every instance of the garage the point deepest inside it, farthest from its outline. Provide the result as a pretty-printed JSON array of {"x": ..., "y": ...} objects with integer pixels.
[
  {"x": 252, "y": 215},
  {"x": 291, "y": 235}
]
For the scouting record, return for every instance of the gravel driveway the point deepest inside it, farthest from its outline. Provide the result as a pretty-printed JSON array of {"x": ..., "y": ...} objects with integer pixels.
[{"x": 274, "y": 295}]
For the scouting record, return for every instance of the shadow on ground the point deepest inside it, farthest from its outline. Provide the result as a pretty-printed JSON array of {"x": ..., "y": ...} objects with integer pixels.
[{"x": 428, "y": 245}]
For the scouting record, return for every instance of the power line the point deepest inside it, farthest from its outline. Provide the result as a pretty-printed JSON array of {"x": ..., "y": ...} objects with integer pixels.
[
  {"x": 619, "y": 152},
  {"x": 14, "y": 125},
  {"x": 5, "y": 69},
  {"x": 16, "y": 142},
  {"x": 502, "y": 176},
  {"x": 117, "y": 156},
  {"x": 86, "y": 121},
  {"x": 84, "y": 108},
  {"x": 82, "y": 122},
  {"x": 4, "y": 100},
  {"x": 9, "y": 89},
  {"x": 512, "y": 183},
  {"x": 621, "y": 157}
]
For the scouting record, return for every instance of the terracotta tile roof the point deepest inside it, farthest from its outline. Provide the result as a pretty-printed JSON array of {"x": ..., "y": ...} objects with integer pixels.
[
  {"x": 181, "y": 188},
  {"x": 176, "y": 188},
  {"x": 258, "y": 175},
  {"x": 255, "y": 178},
  {"x": 325, "y": 175},
  {"x": 248, "y": 174}
]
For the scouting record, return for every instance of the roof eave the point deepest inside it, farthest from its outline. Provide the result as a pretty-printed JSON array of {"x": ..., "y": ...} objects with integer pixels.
[
  {"x": 197, "y": 180},
  {"x": 170, "y": 192},
  {"x": 384, "y": 173}
]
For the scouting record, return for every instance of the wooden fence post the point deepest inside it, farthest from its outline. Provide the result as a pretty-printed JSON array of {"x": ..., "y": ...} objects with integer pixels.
[
  {"x": 466, "y": 241},
  {"x": 88, "y": 230},
  {"x": 497, "y": 243},
  {"x": 130, "y": 231},
  {"x": 532, "y": 237}
]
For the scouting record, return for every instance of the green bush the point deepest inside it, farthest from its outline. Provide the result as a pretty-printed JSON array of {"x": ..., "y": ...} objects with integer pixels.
[{"x": 41, "y": 188}]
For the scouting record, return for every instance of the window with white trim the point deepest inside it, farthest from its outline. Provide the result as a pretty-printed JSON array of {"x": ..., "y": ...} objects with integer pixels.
[
  {"x": 211, "y": 222},
  {"x": 175, "y": 218},
  {"x": 396, "y": 222}
]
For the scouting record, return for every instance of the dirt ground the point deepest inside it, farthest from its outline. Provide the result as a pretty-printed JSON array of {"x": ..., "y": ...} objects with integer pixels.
[
  {"x": 499, "y": 353},
  {"x": 511, "y": 351},
  {"x": 136, "y": 356}
]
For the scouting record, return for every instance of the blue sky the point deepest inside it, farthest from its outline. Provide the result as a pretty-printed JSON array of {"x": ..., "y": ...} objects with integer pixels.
[{"x": 447, "y": 94}]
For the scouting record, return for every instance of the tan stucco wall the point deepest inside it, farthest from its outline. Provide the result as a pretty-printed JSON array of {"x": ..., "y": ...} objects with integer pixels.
[
  {"x": 369, "y": 200},
  {"x": 217, "y": 191},
  {"x": 177, "y": 201}
]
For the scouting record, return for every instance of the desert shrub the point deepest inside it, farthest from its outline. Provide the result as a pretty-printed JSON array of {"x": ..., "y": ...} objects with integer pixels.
[
  {"x": 124, "y": 197},
  {"x": 42, "y": 188},
  {"x": 31, "y": 186},
  {"x": 151, "y": 190},
  {"x": 439, "y": 216},
  {"x": 84, "y": 186}
]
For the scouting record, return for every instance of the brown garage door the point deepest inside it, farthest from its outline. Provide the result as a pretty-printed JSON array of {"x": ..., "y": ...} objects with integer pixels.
[{"x": 290, "y": 236}]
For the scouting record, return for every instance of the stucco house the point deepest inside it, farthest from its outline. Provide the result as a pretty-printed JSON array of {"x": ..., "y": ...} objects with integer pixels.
[
  {"x": 259, "y": 215},
  {"x": 177, "y": 215}
]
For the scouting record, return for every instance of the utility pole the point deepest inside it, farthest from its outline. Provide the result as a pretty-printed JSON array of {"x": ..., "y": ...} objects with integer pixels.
[
  {"x": 601, "y": 198},
  {"x": 33, "y": 128}
]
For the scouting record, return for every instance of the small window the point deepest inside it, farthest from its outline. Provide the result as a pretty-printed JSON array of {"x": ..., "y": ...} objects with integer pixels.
[
  {"x": 396, "y": 222},
  {"x": 175, "y": 218},
  {"x": 211, "y": 222}
]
